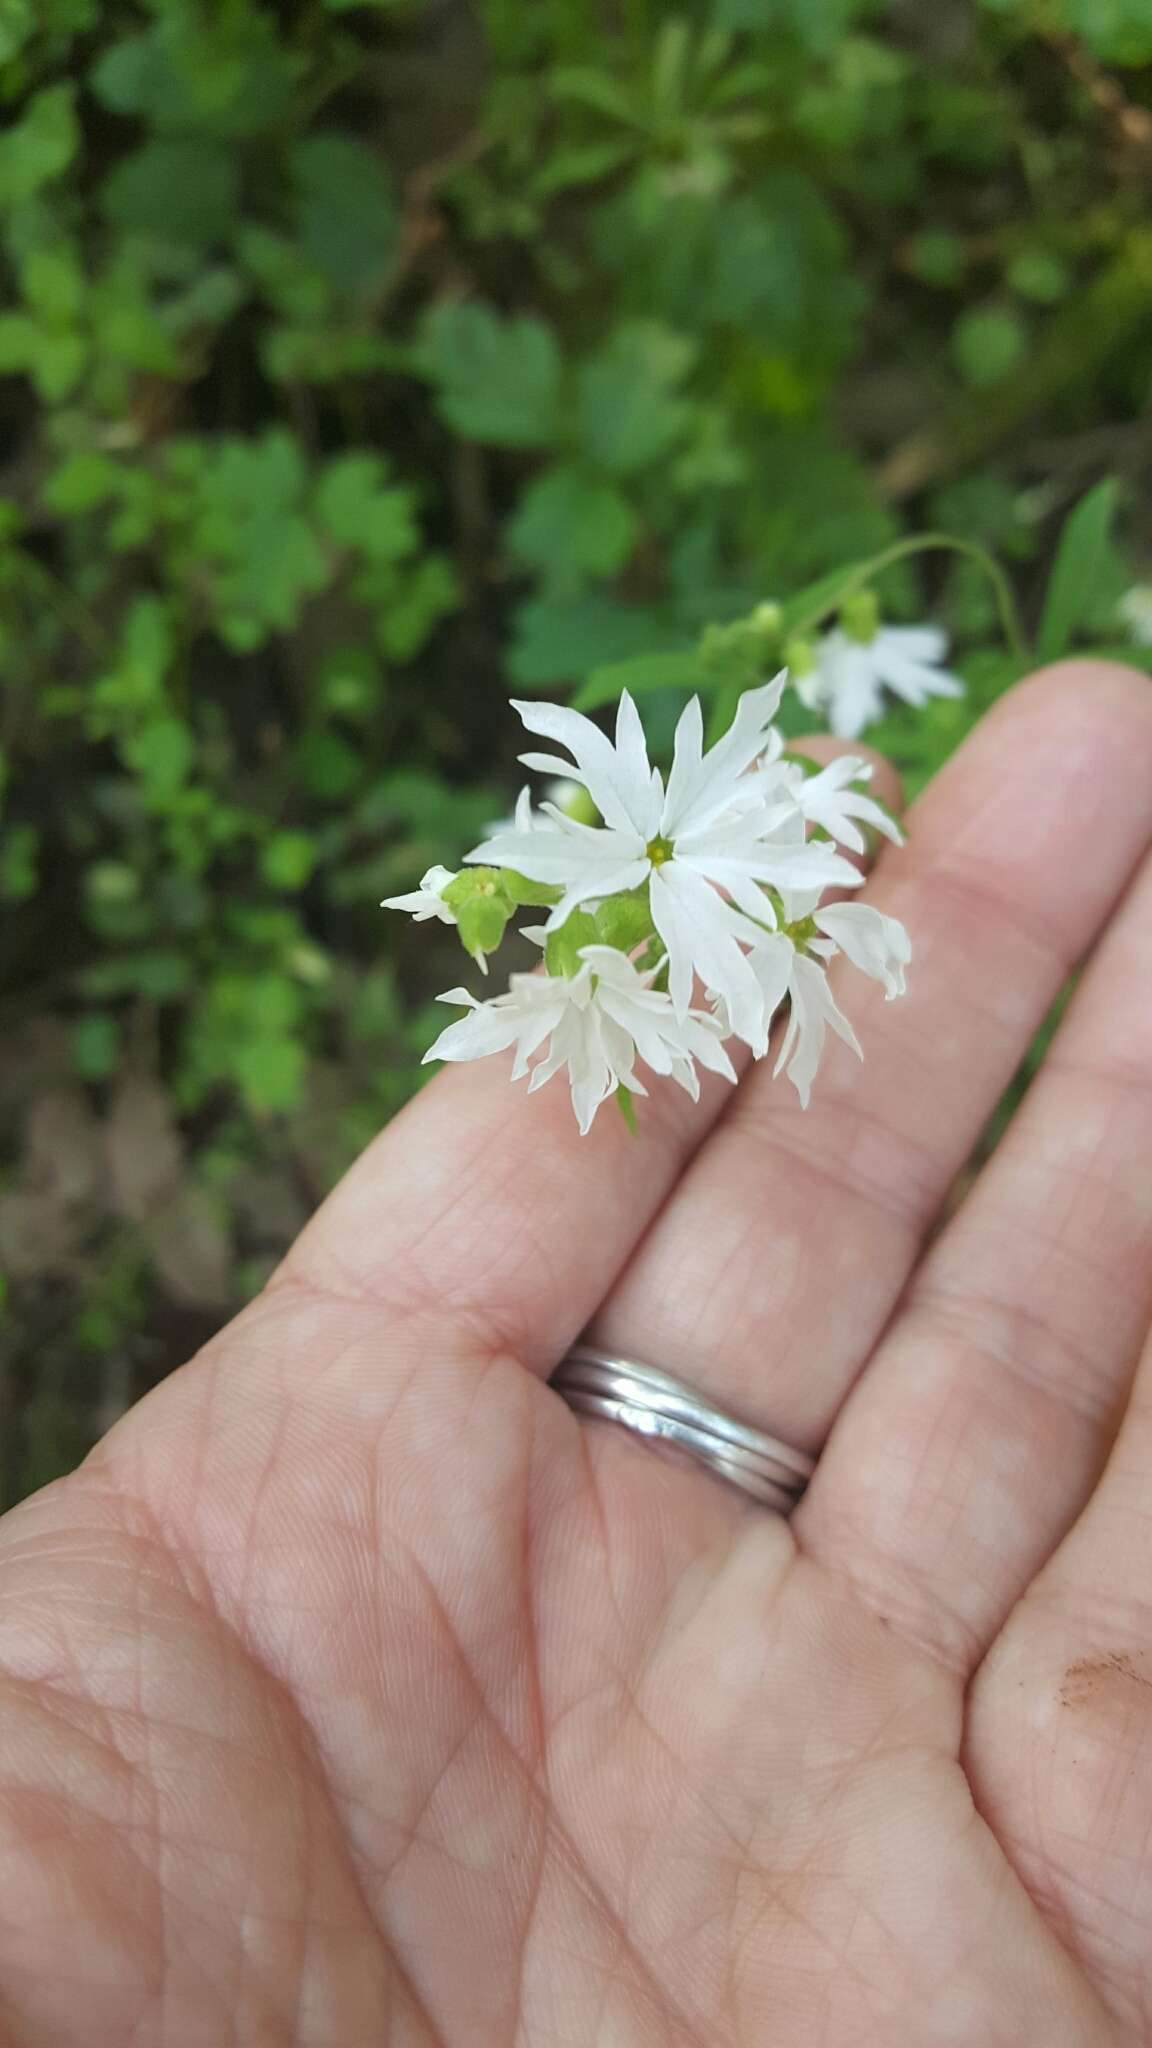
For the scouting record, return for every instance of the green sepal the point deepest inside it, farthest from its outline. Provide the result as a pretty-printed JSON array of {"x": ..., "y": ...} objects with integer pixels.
[
  {"x": 625, "y": 921},
  {"x": 483, "y": 907},
  {"x": 526, "y": 894},
  {"x": 482, "y": 922},
  {"x": 562, "y": 947},
  {"x": 627, "y": 1107}
]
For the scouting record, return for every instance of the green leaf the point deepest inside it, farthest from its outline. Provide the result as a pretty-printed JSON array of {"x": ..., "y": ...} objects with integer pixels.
[
  {"x": 499, "y": 380},
  {"x": 19, "y": 340},
  {"x": 19, "y": 863},
  {"x": 58, "y": 364},
  {"x": 1082, "y": 557},
  {"x": 646, "y": 672},
  {"x": 427, "y": 593},
  {"x": 53, "y": 284},
  {"x": 95, "y": 1042},
  {"x": 186, "y": 188},
  {"x": 572, "y": 526},
  {"x": 559, "y": 642},
  {"x": 629, "y": 412},
  {"x": 816, "y": 24},
  {"x": 229, "y": 75},
  {"x": 288, "y": 859},
  {"x": 987, "y": 343},
  {"x": 1120, "y": 31},
  {"x": 247, "y": 521},
  {"x": 346, "y": 211},
  {"x": 40, "y": 146},
  {"x": 162, "y": 756},
  {"x": 360, "y": 509}
]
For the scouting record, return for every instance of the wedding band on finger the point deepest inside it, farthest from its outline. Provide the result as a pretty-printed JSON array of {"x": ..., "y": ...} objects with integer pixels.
[{"x": 654, "y": 1405}]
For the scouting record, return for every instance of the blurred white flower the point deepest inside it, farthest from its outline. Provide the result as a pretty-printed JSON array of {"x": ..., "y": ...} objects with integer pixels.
[
  {"x": 595, "y": 1024},
  {"x": 708, "y": 831},
  {"x": 1135, "y": 609},
  {"x": 849, "y": 676}
]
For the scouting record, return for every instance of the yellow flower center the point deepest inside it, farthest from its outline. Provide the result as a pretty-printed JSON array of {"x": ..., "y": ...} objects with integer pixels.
[{"x": 658, "y": 851}]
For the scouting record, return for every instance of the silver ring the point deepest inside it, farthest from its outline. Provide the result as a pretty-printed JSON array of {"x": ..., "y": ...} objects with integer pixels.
[{"x": 654, "y": 1405}]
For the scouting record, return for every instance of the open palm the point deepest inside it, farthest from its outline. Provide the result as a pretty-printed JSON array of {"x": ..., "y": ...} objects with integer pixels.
[{"x": 354, "y": 1693}]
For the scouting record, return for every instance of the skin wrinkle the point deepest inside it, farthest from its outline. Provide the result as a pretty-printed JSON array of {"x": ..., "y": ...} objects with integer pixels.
[
  {"x": 815, "y": 1693},
  {"x": 140, "y": 1511},
  {"x": 985, "y": 1328},
  {"x": 524, "y": 1776}
]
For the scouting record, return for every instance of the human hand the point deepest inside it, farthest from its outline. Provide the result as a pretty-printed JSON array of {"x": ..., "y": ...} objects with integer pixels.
[{"x": 354, "y": 1692}]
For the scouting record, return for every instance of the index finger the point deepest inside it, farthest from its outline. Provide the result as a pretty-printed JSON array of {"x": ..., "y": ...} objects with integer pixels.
[{"x": 485, "y": 1202}]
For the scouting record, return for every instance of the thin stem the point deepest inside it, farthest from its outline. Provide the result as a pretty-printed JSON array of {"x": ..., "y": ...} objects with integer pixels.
[{"x": 919, "y": 544}]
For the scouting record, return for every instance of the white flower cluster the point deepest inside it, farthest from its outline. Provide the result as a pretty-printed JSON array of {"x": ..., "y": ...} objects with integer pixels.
[
  {"x": 689, "y": 915},
  {"x": 849, "y": 674}
]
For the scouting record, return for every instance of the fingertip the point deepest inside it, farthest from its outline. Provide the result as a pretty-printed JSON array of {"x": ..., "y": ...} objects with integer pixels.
[{"x": 1099, "y": 689}]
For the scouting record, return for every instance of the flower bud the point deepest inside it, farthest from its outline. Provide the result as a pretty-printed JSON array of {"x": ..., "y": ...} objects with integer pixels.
[{"x": 860, "y": 616}]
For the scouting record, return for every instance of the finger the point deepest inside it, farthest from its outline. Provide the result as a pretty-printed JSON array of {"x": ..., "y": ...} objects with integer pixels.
[
  {"x": 770, "y": 1277},
  {"x": 977, "y": 1433},
  {"x": 485, "y": 1202},
  {"x": 1060, "y": 1728}
]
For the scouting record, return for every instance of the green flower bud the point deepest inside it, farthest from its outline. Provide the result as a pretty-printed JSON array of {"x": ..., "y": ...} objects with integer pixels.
[
  {"x": 799, "y": 658},
  {"x": 472, "y": 883},
  {"x": 482, "y": 907},
  {"x": 481, "y": 924},
  {"x": 860, "y": 616},
  {"x": 767, "y": 620},
  {"x": 625, "y": 921},
  {"x": 562, "y": 948}
]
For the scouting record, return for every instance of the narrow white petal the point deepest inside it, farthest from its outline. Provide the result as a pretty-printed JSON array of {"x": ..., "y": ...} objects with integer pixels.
[
  {"x": 687, "y": 754},
  {"x": 638, "y": 781},
  {"x": 916, "y": 682},
  {"x": 876, "y": 944},
  {"x": 917, "y": 643},
  {"x": 597, "y": 764},
  {"x": 705, "y": 787},
  {"x": 698, "y": 928}
]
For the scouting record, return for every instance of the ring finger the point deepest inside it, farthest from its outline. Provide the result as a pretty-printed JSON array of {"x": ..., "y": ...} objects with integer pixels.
[{"x": 770, "y": 1274}]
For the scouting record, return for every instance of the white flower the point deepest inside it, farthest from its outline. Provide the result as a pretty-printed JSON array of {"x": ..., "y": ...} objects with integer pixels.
[
  {"x": 848, "y": 681},
  {"x": 828, "y": 799},
  {"x": 708, "y": 831},
  {"x": 426, "y": 901},
  {"x": 596, "y": 1024},
  {"x": 876, "y": 944},
  {"x": 783, "y": 971},
  {"x": 1135, "y": 608}
]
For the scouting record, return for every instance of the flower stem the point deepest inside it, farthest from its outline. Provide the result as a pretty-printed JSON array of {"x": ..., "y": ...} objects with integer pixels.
[{"x": 900, "y": 550}]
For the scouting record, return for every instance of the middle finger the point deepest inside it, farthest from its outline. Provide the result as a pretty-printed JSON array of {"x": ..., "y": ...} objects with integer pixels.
[{"x": 768, "y": 1277}]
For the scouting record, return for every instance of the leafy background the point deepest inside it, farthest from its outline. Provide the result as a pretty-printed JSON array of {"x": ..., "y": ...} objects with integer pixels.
[{"x": 359, "y": 363}]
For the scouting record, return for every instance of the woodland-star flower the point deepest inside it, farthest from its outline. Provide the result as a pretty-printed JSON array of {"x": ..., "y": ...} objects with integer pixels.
[
  {"x": 595, "y": 1023},
  {"x": 849, "y": 675},
  {"x": 831, "y": 800},
  {"x": 706, "y": 832},
  {"x": 872, "y": 941}
]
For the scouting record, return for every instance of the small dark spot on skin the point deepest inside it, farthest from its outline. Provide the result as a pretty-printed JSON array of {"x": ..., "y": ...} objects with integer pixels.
[{"x": 1089, "y": 1676}]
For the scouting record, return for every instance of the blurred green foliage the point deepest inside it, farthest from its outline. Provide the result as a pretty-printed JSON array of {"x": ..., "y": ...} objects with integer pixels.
[{"x": 362, "y": 359}]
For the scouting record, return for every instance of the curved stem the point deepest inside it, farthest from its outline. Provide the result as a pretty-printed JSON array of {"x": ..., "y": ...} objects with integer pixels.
[{"x": 919, "y": 544}]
